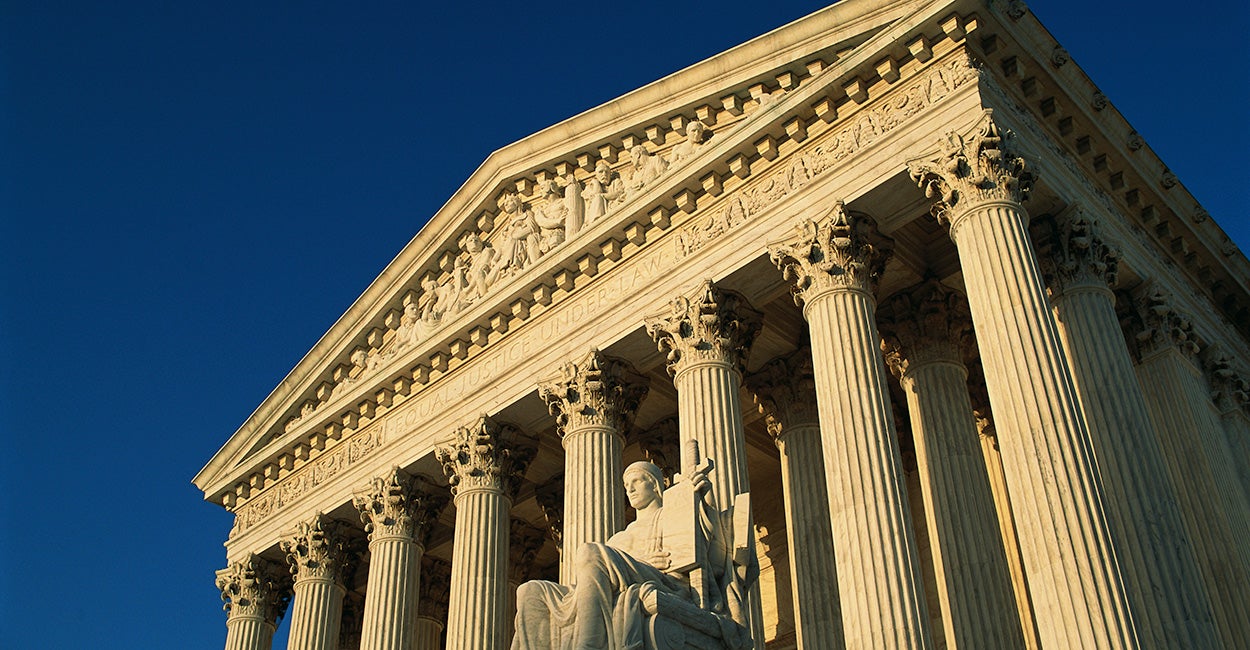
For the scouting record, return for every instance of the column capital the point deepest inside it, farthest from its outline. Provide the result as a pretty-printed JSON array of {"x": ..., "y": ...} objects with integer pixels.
[
  {"x": 713, "y": 325},
  {"x": 1152, "y": 325},
  {"x": 925, "y": 323},
  {"x": 974, "y": 168},
  {"x": 785, "y": 392},
  {"x": 1074, "y": 253},
  {"x": 317, "y": 549},
  {"x": 255, "y": 587},
  {"x": 844, "y": 251},
  {"x": 399, "y": 505},
  {"x": 435, "y": 588},
  {"x": 597, "y": 391},
  {"x": 1229, "y": 388},
  {"x": 486, "y": 455}
]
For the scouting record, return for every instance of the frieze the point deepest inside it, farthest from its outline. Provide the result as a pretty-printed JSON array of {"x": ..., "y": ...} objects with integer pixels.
[
  {"x": 863, "y": 130},
  {"x": 425, "y": 311}
]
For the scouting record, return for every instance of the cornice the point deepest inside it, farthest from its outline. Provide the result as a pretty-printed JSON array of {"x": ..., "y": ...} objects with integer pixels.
[
  {"x": 754, "y": 62},
  {"x": 842, "y": 89}
]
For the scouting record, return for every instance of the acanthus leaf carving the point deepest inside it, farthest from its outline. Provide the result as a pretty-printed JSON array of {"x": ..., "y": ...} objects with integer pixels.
[
  {"x": 713, "y": 325},
  {"x": 599, "y": 390},
  {"x": 660, "y": 446},
  {"x": 1151, "y": 324},
  {"x": 973, "y": 169},
  {"x": 524, "y": 542},
  {"x": 844, "y": 251},
  {"x": 255, "y": 587},
  {"x": 550, "y": 498},
  {"x": 1075, "y": 252},
  {"x": 785, "y": 392},
  {"x": 925, "y": 323},
  {"x": 317, "y": 549},
  {"x": 486, "y": 455},
  {"x": 1230, "y": 390},
  {"x": 398, "y": 504}
]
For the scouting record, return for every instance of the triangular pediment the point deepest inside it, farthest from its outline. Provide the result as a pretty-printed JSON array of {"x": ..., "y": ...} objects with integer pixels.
[
  {"x": 532, "y": 206},
  {"x": 678, "y": 160}
]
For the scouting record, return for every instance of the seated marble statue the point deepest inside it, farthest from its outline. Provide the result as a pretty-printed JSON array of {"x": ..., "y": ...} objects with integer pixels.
[{"x": 613, "y": 581}]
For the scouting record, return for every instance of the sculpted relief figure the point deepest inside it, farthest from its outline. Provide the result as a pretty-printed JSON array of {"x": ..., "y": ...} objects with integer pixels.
[
  {"x": 476, "y": 273},
  {"x": 552, "y": 218},
  {"x": 670, "y": 576},
  {"x": 409, "y": 326},
  {"x": 643, "y": 169},
  {"x": 523, "y": 232},
  {"x": 696, "y": 134},
  {"x": 602, "y": 190}
]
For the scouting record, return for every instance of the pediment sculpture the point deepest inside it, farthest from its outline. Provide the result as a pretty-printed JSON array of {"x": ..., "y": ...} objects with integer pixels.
[{"x": 676, "y": 578}]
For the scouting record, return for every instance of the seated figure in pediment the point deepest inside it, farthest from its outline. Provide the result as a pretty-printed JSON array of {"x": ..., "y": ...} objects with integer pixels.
[
  {"x": 669, "y": 577},
  {"x": 696, "y": 135}
]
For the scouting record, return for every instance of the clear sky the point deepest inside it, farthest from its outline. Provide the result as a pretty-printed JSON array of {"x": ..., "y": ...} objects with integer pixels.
[{"x": 192, "y": 192}]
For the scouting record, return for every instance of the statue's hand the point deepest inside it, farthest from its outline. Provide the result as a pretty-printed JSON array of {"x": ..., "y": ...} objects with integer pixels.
[{"x": 659, "y": 560}]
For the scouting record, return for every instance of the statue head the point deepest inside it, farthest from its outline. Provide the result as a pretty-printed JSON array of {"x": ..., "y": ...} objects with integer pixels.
[
  {"x": 639, "y": 154},
  {"x": 644, "y": 484},
  {"x": 695, "y": 130},
  {"x": 603, "y": 172}
]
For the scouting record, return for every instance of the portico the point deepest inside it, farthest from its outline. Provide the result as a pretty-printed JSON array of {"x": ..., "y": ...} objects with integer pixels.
[{"x": 867, "y": 174}]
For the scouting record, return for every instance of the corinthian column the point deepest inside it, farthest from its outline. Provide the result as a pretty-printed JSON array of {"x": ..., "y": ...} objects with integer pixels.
[
  {"x": 1074, "y": 577},
  {"x": 1150, "y": 538},
  {"x": 398, "y": 511},
  {"x": 317, "y": 553},
  {"x": 484, "y": 463},
  {"x": 785, "y": 391},
  {"x": 926, "y": 332},
  {"x": 1231, "y": 394},
  {"x": 256, "y": 592},
  {"x": 594, "y": 401},
  {"x": 835, "y": 266},
  {"x": 435, "y": 593},
  {"x": 707, "y": 337},
  {"x": 1177, "y": 400}
]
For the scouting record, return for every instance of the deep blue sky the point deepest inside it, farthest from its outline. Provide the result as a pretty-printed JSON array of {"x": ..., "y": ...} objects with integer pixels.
[{"x": 192, "y": 193}]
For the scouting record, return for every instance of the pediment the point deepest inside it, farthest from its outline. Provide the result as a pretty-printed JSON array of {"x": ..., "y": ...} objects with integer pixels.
[
  {"x": 532, "y": 205},
  {"x": 544, "y": 213}
]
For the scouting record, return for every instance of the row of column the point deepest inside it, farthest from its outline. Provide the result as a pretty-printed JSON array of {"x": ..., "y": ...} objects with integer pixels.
[
  {"x": 1101, "y": 550},
  {"x": 484, "y": 463}
]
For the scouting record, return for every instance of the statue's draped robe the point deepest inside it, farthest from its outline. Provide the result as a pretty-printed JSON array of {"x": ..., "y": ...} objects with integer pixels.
[{"x": 605, "y": 609}]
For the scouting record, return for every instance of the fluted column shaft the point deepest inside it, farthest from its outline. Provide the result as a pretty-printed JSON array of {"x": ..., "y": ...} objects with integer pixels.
[
  {"x": 1177, "y": 403},
  {"x": 594, "y": 497},
  {"x": 979, "y": 182},
  {"x": 594, "y": 401},
  {"x": 398, "y": 513},
  {"x": 1055, "y": 493},
  {"x": 477, "y": 615},
  {"x": 249, "y": 633},
  {"x": 317, "y": 553},
  {"x": 391, "y": 596},
  {"x": 974, "y": 585},
  {"x": 316, "y": 613},
  {"x": 708, "y": 338},
  {"x": 710, "y": 412},
  {"x": 484, "y": 463},
  {"x": 1150, "y": 537},
  {"x": 836, "y": 265},
  {"x": 429, "y": 634},
  {"x": 877, "y": 566},
  {"x": 817, "y": 613},
  {"x": 785, "y": 391},
  {"x": 1007, "y": 533}
]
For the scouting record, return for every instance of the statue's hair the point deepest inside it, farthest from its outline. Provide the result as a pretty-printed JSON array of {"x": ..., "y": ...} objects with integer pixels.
[{"x": 650, "y": 470}]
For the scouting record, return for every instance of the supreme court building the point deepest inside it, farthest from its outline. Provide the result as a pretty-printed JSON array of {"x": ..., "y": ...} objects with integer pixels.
[{"x": 904, "y": 273}]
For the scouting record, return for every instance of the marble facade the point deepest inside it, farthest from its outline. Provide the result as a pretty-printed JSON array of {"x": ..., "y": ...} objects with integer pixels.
[{"x": 904, "y": 274}]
